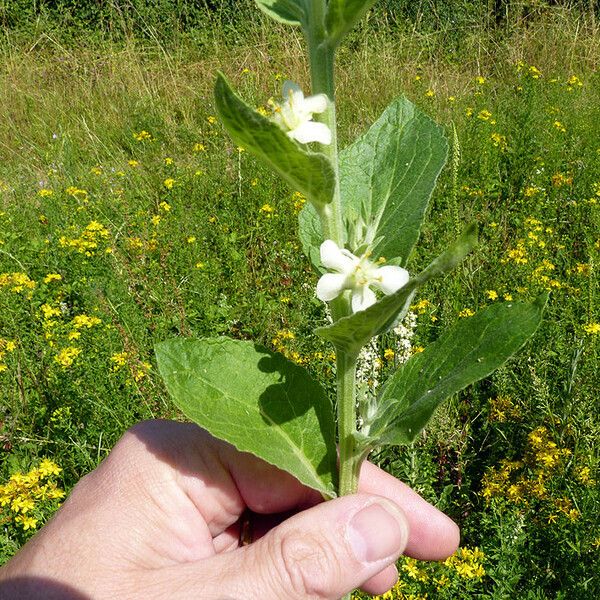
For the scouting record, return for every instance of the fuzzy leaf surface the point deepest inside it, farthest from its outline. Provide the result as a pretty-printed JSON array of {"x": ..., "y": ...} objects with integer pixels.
[
  {"x": 343, "y": 15},
  {"x": 310, "y": 173},
  {"x": 256, "y": 400},
  {"x": 311, "y": 234},
  {"x": 387, "y": 176},
  {"x": 291, "y": 12},
  {"x": 469, "y": 351},
  {"x": 353, "y": 332}
]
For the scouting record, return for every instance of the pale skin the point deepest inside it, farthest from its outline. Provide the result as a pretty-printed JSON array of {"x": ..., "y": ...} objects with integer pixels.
[{"x": 160, "y": 518}]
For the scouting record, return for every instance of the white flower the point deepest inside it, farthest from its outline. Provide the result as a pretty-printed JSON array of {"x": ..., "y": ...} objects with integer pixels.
[
  {"x": 356, "y": 274},
  {"x": 295, "y": 115}
]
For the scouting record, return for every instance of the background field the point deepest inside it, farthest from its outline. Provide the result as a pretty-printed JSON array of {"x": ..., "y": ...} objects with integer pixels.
[{"x": 127, "y": 217}]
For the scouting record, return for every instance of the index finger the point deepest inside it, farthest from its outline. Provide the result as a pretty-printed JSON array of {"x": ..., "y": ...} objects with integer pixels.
[
  {"x": 266, "y": 489},
  {"x": 433, "y": 535}
]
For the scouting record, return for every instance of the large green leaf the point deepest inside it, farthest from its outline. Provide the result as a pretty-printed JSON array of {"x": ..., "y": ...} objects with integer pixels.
[
  {"x": 292, "y": 12},
  {"x": 256, "y": 400},
  {"x": 469, "y": 351},
  {"x": 311, "y": 234},
  {"x": 353, "y": 332},
  {"x": 386, "y": 180},
  {"x": 387, "y": 177},
  {"x": 343, "y": 15},
  {"x": 307, "y": 172}
]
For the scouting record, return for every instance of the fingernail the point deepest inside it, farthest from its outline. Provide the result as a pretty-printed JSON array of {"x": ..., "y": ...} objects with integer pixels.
[{"x": 377, "y": 531}]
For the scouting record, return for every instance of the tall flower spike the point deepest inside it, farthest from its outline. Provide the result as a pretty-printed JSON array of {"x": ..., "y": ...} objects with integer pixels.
[
  {"x": 357, "y": 274},
  {"x": 294, "y": 115}
]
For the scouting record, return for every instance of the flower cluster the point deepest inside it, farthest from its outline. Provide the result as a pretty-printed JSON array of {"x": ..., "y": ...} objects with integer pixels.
[
  {"x": 138, "y": 369},
  {"x": 88, "y": 241},
  {"x": 26, "y": 499},
  {"x": 281, "y": 342},
  {"x": 419, "y": 580},
  {"x": 16, "y": 282},
  {"x": 530, "y": 480},
  {"x": 503, "y": 409},
  {"x": 6, "y": 347}
]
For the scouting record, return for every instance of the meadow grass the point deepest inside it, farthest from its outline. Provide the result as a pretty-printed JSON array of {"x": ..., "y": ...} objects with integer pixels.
[{"x": 127, "y": 216}]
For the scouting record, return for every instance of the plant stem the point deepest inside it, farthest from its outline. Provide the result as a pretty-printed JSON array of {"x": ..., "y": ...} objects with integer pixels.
[
  {"x": 350, "y": 454},
  {"x": 322, "y": 59}
]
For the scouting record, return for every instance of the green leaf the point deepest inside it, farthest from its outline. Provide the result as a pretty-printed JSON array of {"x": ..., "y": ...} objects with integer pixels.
[
  {"x": 311, "y": 234},
  {"x": 291, "y": 12},
  {"x": 256, "y": 400},
  {"x": 387, "y": 177},
  {"x": 469, "y": 351},
  {"x": 343, "y": 15},
  {"x": 308, "y": 172},
  {"x": 352, "y": 333}
]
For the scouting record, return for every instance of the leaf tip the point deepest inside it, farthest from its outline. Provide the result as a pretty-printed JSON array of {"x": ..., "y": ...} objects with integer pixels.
[{"x": 541, "y": 301}]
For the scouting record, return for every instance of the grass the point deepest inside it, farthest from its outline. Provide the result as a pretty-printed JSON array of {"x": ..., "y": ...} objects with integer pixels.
[{"x": 112, "y": 239}]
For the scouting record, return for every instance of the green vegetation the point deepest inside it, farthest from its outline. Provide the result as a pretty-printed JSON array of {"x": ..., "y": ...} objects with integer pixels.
[{"x": 127, "y": 217}]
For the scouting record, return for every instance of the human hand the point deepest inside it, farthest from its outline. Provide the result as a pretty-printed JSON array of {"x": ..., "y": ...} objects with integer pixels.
[{"x": 161, "y": 517}]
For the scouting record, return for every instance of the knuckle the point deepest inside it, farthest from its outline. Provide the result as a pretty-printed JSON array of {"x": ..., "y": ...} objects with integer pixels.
[{"x": 305, "y": 563}]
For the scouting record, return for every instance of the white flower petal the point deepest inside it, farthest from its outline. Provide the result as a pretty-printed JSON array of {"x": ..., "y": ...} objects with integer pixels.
[
  {"x": 333, "y": 257},
  {"x": 390, "y": 279},
  {"x": 330, "y": 286},
  {"x": 362, "y": 298},
  {"x": 309, "y": 131},
  {"x": 315, "y": 104}
]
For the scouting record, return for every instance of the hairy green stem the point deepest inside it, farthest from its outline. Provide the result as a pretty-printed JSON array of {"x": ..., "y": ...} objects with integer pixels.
[
  {"x": 350, "y": 453},
  {"x": 322, "y": 59}
]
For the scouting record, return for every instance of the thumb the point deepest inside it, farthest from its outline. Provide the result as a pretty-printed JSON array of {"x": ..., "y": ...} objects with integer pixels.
[{"x": 324, "y": 552}]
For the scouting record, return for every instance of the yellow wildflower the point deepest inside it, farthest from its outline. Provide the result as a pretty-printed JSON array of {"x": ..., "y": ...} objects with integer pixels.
[
  {"x": 143, "y": 136},
  {"x": 559, "y": 126},
  {"x": 119, "y": 360},
  {"x": 26, "y": 522},
  {"x": 17, "y": 282},
  {"x": 81, "y": 321},
  {"x": 66, "y": 357},
  {"x": 592, "y": 328},
  {"x": 49, "y": 311},
  {"x": 77, "y": 193},
  {"x": 48, "y": 467},
  {"x": 535, "y": 72},
  {"x": 140, "y": 371}
]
